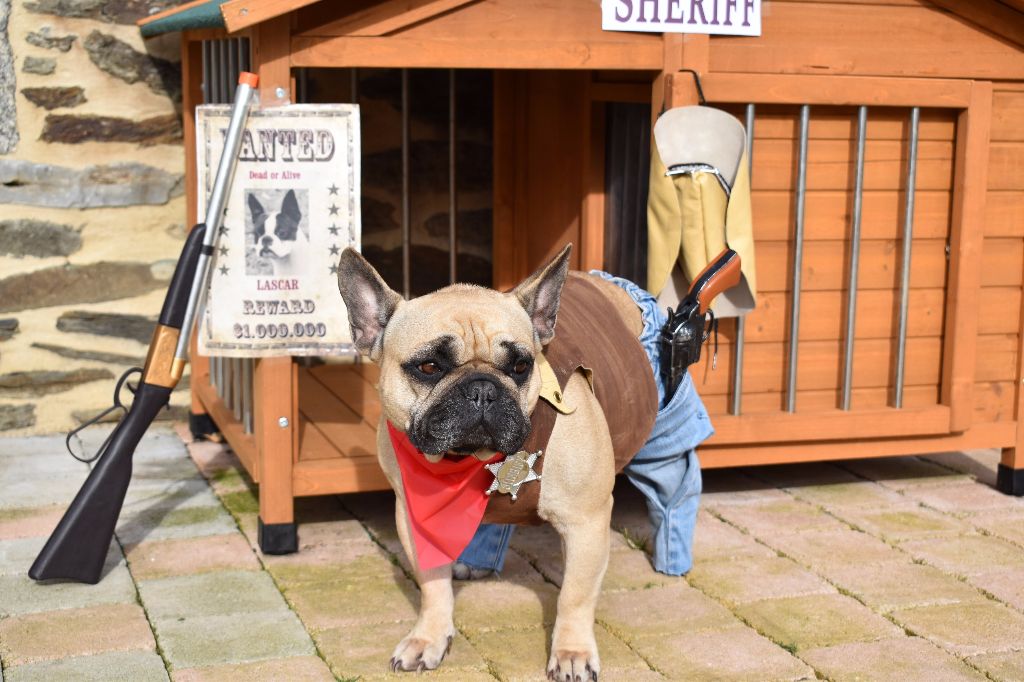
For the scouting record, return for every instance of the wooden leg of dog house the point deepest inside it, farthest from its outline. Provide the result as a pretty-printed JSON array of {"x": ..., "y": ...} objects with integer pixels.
[{"x": 276, "y": 431}]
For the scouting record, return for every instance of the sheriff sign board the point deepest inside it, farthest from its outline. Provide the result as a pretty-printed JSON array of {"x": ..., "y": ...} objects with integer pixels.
[{"x": 719, "y": 17}]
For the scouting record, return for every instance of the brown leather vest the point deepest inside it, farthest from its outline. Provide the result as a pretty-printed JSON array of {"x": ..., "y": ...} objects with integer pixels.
[{"x": 589, "y": 334}]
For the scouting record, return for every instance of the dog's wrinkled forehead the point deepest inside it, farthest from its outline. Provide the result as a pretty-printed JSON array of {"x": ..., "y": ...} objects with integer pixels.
[{"x": 468, "y": 323}]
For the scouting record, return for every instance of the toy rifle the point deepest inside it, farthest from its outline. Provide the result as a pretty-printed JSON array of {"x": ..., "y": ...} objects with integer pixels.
[
  {"x": 78, "y": 546},
  {"x": 689, "y": 326}
]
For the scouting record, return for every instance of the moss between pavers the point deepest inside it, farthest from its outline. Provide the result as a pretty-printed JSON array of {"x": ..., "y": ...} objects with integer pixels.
[
  {"x": 889, "y": 586},
  {"x": 777, "y": 516},
  {"x": 137, "y": 666},
  {"x": 816, "y": 621},
  {"x": 821, "y": 549},
  {"x": 21, "y": 594},
  {"x": 633, "y": 571},
  {"x": 859, "y": 494},
  {"x": 756, "y": 578},
  {"x": 1004, "y": 667},
  {"x": 661, "y": 611},
  {"x": 187, "y": 556},
  {"x": 737, "y": 654},
  {"x": 241, "y": 502},
  {"x": 363, "y": 651},
  {"x": 715, "y": 539},
  {"x": 902, "y": 658},
  {"x": 336, "y": 604},
  {"x": 213, "y": 640},
  {"x": 296, "y": 570},
  {"x": 292, "y": 669},
  {"x": 73, "y": 632},
  {"x": 903, "y": 524},
  {"x": 966, "y": 629}
]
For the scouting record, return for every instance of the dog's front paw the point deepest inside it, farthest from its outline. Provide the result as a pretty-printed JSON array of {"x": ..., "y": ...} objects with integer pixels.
[
  {"x": 573, "y": 665},
  {"x": 420, "y": 653}
]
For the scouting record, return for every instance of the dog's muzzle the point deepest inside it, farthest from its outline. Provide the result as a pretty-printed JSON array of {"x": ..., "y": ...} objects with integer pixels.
[{"x": 476, "y": 413}]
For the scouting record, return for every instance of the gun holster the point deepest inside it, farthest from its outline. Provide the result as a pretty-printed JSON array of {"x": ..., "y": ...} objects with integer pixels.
[{"x": 681, "y": 339}]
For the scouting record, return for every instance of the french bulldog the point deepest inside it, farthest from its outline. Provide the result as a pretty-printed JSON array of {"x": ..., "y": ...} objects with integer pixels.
[
  {"x": 458, "y": 377},
  {"x": 277, "y": 235}
]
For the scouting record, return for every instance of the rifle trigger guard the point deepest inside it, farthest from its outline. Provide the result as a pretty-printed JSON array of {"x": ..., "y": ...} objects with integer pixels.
[{"x": 118, "y": 405}]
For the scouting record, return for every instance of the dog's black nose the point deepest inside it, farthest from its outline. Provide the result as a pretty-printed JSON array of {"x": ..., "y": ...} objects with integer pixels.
[
  {"x": 267, "y": 241},
  {"x": 481, "y": 393}
]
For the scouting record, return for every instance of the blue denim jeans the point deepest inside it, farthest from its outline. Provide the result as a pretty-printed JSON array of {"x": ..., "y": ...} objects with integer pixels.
[{"x": 666, "y": 470}]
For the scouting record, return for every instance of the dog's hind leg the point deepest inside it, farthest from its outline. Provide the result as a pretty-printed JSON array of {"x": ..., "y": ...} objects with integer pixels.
[
  {"x": 428, "y": 642},
  {"x": 585, "y": 542}
]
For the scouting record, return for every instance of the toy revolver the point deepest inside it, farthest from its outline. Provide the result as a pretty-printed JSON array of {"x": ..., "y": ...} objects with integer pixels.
[
  {"x": 78, "y": 546},
  {"x": 690, "y": 324}
]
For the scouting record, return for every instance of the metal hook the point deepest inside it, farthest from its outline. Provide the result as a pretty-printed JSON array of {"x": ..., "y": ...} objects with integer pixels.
[{"x": 696, "y": 82}]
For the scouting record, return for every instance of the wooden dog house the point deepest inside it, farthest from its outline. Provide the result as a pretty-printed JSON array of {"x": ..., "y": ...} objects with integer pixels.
[{"x": 570, "y": 107}]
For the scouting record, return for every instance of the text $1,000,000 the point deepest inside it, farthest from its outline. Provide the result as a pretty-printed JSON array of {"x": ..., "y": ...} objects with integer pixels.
[{"x": 280, "y": 330}]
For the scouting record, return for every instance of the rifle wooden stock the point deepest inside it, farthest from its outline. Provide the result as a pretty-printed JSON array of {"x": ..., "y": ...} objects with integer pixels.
[
  {"x": 78, "y": 546},
  {"x": 721, "y": 274}
]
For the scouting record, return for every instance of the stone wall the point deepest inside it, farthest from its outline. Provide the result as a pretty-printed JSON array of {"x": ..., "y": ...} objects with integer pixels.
[{"x": 93, "y": 210}]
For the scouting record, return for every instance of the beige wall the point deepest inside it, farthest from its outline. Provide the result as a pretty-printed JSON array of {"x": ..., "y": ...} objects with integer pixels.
[{"x": 139, "y": 241}]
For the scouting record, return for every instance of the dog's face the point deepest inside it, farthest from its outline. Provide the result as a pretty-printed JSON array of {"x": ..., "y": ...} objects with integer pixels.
[
  {"x": 276, "y": 232},
  {"x": 457, "y": 371}
]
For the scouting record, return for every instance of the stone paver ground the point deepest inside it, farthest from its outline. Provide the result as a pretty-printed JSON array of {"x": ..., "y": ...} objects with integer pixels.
[{"x": 906, "y": 568}]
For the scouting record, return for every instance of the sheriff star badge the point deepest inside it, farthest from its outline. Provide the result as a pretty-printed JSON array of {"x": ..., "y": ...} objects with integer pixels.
[{"x": 512, "y": 472}]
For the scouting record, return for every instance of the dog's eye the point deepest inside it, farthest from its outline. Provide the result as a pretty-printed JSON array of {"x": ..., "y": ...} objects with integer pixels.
[
  {"x": 429, "y": 368},
  {"x": 521, "y": 366}
]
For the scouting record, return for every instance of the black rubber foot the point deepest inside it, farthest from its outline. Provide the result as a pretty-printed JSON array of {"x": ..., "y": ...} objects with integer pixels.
[
  {"x": 278, "y": 538},
  {"x": 1010, "y": 481},
  {"x": 202, "y": 426}
]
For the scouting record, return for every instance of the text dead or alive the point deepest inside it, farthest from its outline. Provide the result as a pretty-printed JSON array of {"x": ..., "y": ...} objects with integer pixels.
[{"x": 303, "y": 145}]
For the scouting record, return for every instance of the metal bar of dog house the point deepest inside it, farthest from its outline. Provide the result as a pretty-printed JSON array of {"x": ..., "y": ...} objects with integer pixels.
[
  {"x": 231, "y": 47},
  {"x": 453, "y": 188},
  {"x": 355, "y": 85},
  {"x": 236, "y": 388},
  {"x": 741, "y": 320},
  {"x": 851, "y": 299},
  {"x": 247, "y": 406},
  {"x": 798, "y": 258},
  {"x": 406, "y": 202},
  {"x": 908, "y": 238}
]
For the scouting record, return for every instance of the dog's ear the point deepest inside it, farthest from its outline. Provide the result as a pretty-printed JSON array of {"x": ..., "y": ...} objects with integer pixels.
[
  {"x": 255, "y": 207},
  {"x": 290, "y": 206},
  {"x": 369, "y": 301},
  {"x": 540, "y": 292}
]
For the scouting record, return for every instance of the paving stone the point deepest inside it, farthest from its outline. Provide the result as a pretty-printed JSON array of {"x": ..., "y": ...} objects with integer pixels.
[
  {"x": 150, "y": 494},
  {"x": 361, "y": 562},
  {"x": 363, "y": 652},
  {"x": 518, "y": 570},
  {"x": 734, "y": 486},
  {"x": 778, "y": 516},
  {"x": 841, "y": 495},
  {"x": 212, "y": 458},
  {"x": 964, "y": 498},
  {"x": 805, "y": 474},
  {"x": 1007, "y": 586},
  {"x": 966, "y": 629},
  {"x": 978, "y": 463},
  {"x": 542, "y": 547},
  {"x": 210, "y": 594},
  {"x": 889, "y": 586},
  {"x": 26, "y": 448},
  {"x": 632, "y": 570},
  {"x": 523, "y": 654},
  {"x": 29, "y": 523},
  {"x": 906, "y": 522},
  {"x": 214, "y": 640},
  {"x": 967, "y": 554},
  {"x": 294, "y": 669},
  {"x": 739, "y": 582},
  {"x": 902, "y": 658},
  {"x": 737, "y": 655},
  {"x": 337, "y": 604},
  {"x": 166, "y": 523},
  {"x": 900, "y": 473},
  {"x": 166, "y": 558},
  {"x": 53, "y": 489},
  {"x": 136, "y": 666},
  {"x": 661, "y": 611},
  {"x": 714, "y": 539},
  {"x": 1008, "y": 525},
  {"x": 501, "y": 604},
  {"x": 73, "y": 632},
  {"x": 819, "y": 549},
  {"x": 1003, "y": 667},
  {"x": 815, "y": 621}
]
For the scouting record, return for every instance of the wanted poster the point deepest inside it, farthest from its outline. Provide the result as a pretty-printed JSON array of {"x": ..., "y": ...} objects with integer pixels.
[{"x": 292, "y": 207}]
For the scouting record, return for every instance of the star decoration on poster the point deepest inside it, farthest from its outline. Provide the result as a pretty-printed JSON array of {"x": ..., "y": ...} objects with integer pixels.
[
  {"x": 223, "y": 250},
  {"x": 223, "y": 269},
  {"x": 335, "y": 250},
  {"x": 333, "y": 229},
  {"x": 334, "y": 269},
  {"x": 333, "y": 189},
  {"x": 333, "y": 209},
  {"x": 223, "y": 231}
]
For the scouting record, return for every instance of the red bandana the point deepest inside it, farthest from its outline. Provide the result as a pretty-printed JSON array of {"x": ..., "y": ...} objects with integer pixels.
[{"x": 445, "y": 501}]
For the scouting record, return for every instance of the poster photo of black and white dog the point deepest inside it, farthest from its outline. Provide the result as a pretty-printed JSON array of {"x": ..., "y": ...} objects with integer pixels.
[{"x": 277, "y": 232}]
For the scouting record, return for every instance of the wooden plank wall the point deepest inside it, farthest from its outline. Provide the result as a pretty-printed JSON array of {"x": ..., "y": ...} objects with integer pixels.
[
  {"x": 830, "y": 171},
  {"x": 1003, "y": 266}
]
